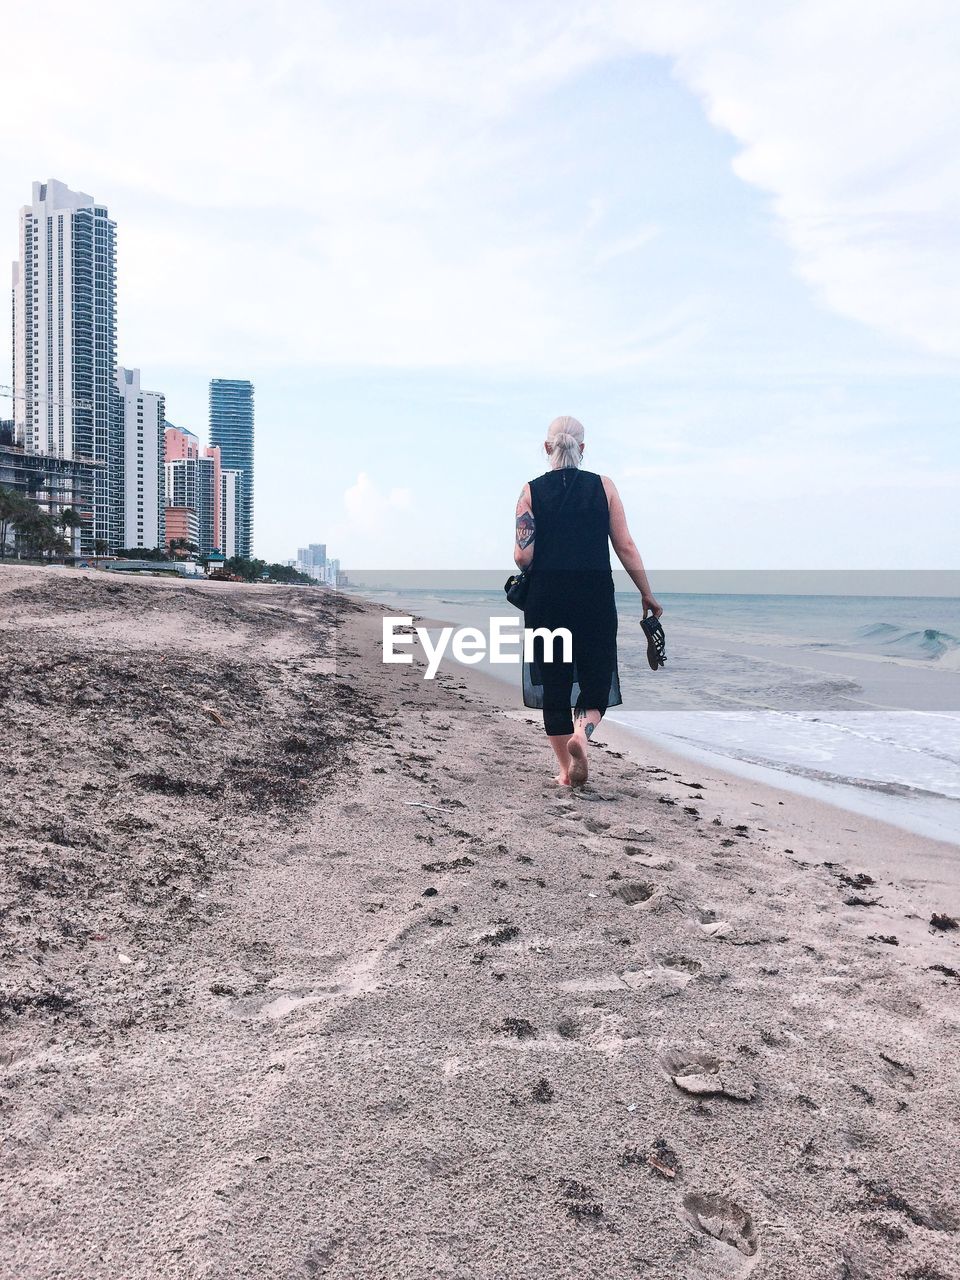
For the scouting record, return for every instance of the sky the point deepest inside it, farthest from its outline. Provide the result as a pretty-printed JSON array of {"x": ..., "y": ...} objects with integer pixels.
[{"x": 725, "y": 237}]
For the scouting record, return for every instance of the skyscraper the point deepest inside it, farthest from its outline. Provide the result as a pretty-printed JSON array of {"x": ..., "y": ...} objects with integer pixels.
[
  {"x": 65, "y": 348},
  {"x": 231, "y": 428},
  {"x": 140, "y": 519},
  {"x": 231, "y": 511},
  {"x": 312, "y": 560},
  {"x": 193, "y": 480}
]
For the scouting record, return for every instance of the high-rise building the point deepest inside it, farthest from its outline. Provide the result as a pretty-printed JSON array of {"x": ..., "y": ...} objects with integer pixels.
[
  {"x": 209, "y": 500},
  {"x": 179, "y": 444},
  {"x": 141, "y": 514},
  {"x": 65, "y": 349},
  {"x": 231, "y": 511},
  {"x": 192, "y": 479},
  {"x": 231, "y": 429},
  {"x": 312, "y": 560},
  {"x": 181, "y": 524}
]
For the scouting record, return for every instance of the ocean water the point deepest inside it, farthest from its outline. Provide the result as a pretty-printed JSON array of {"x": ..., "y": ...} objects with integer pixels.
[{"x": 852, "y": 699}]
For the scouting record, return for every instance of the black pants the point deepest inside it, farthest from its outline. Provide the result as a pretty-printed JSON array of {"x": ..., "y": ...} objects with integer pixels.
[{"x": 592, "y": 671}]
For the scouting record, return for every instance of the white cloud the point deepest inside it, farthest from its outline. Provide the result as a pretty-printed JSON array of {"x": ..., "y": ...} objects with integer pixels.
[
  {"x": 347, "y": 184},
  {"x": 846, "y": 116},
  {"x": 369, "y": 509}
]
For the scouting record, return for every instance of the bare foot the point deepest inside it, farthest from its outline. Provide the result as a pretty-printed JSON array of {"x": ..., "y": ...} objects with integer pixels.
[
  {"x": 562, "y": 779},
  {"x": 577, "y": 750}
]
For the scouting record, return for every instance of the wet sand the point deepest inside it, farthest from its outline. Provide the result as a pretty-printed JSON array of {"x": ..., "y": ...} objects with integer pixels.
[{"x": 309, "y": 971}]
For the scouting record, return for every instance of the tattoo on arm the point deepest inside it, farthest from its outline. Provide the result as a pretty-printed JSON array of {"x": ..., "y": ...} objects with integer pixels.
[{"x": 526, "y": 530}]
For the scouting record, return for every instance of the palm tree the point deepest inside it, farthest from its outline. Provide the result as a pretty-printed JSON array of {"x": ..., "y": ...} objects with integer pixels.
[
  {"x": 37, "y": 532},
  {"x": 13, "y": 508},
  {"x": 69, "y": 520}
]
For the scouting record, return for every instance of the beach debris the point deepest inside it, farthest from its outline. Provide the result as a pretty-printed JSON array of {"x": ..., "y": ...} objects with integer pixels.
[
  {"x": 943, "y": 923},
  {"x": 706, "y": 1075},
  {"x": 122, "y": 959},
  {"x": 661, "y": 1160},
  {"x": 422, "y": 804},
  {"x": 214, "y": 714},
  {"x": 890, "y": 939},
  {"x": 855, "y": 900},
  {"x": 506, "y": 933},
  {"x": 542, "y": 1091},
  {"x": 722, "y": 1219},
  {"x": 522, "y": 1028},
  {"x": 858, "y": 881},
  {"x": 882, "y": 1195},
  {"x": 458, "y": 864},
  {"x": 580, "y": 1204},
  {"x": 429, "y": 892},
  {"x": 945, "y": 970}
]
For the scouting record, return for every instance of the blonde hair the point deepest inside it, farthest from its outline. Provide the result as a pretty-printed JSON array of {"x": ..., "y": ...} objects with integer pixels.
[{"x": 565, "y": 436}]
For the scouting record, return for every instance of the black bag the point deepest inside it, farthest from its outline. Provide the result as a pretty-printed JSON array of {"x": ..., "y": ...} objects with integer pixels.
[{"x": 517, "y": 586}]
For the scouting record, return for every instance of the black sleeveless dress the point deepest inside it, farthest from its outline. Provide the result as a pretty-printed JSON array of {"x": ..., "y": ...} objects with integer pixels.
[{"x": 571, "y": 586}]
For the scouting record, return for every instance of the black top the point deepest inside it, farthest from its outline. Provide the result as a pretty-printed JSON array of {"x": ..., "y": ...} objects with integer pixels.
[
  {"x": 571, "y": 586},
  {"x": 572, "y": 528}
]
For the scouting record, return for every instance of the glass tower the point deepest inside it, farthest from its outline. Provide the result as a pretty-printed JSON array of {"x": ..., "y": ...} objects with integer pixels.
[
  {"x": 66, "y": 403},
  {"x": 231, "y": 429}
]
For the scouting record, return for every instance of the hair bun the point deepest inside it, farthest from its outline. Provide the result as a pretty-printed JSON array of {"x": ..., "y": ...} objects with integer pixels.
[{"x": 565, "y": 438}]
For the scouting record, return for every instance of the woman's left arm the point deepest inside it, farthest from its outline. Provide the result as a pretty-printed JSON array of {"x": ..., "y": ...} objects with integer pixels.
[{"x": 525, "y": 531}]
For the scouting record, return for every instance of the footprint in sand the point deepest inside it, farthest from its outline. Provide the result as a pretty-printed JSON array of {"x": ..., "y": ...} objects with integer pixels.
[
  {"x": 704, "y": 1074},
  {"x": 900, "y": 1075},
  {"x": 633, "y": 892},
  {"x": 722, "y": 1219}
]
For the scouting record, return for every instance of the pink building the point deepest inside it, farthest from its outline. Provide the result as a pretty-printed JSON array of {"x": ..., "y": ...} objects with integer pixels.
[
  {"x": 180, "y": 444},
  {"x": 194, "y": 480},
  {"x": 182, "y": 524},
  {"x": 213, "y": 514}
]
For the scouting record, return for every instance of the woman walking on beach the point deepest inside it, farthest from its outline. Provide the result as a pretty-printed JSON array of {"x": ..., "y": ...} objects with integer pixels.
[{"x": 566, "y": 519}]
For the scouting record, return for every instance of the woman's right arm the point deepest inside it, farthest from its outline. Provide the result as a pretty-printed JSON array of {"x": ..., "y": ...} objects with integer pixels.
[
  {"x": 626, "y": 549},
  {"x": 526, "y": 531}
]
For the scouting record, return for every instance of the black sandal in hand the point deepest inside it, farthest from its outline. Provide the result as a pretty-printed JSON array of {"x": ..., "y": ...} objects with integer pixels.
[{"x": 656, "y": 642}]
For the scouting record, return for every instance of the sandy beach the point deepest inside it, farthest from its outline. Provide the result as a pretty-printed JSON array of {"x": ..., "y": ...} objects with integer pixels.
[{"x": 309, "y": 970}]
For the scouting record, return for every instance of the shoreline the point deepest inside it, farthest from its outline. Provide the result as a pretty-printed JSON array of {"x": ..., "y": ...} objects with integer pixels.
[
  {"x": 884, "y": 846},
  {"x": 909, "y": 805}
]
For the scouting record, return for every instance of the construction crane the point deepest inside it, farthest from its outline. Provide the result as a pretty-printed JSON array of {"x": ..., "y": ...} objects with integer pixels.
[{"x": 8, "y": 393}]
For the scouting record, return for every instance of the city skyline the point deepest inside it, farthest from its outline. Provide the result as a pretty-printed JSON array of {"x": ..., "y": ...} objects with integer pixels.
[
  {"x": 133, "y": 479},
  {"x": 609, "y": 213}
]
